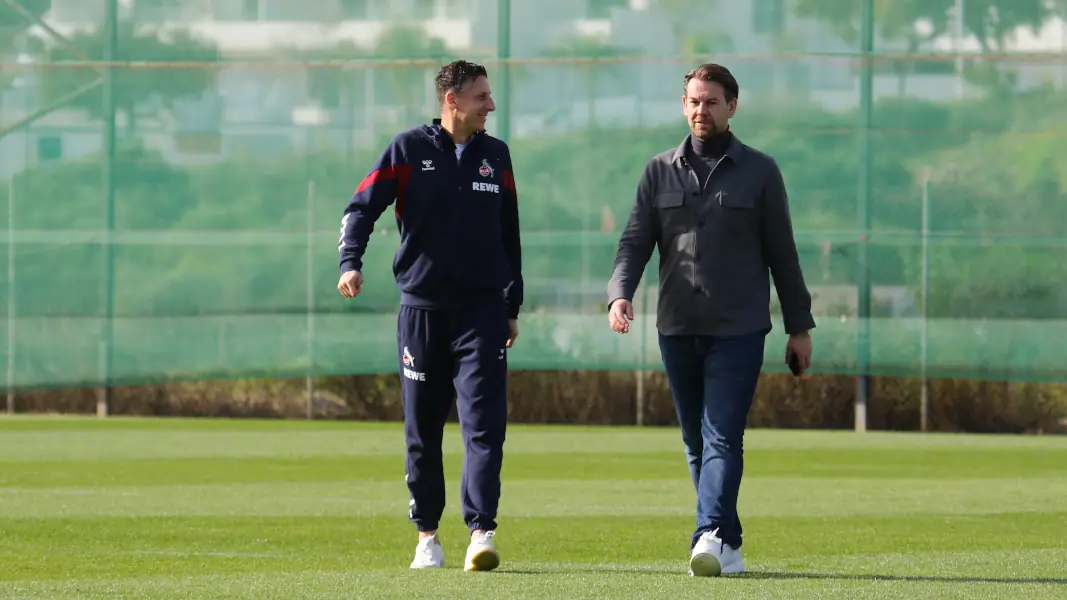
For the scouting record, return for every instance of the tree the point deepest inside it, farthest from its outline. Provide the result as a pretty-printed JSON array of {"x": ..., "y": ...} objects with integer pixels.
[
  {"x": 989, "y": 21},
  {"x": 693, "y": 26},
  {"x": 409, "y": 42},
  {"x": 155, "y": 10},
  {"x": 13, "y": 21},
  {"x": 330, "y": 86},
  {"x": 134, "y": 86},
  {"x": 13, "y": 24},
  {"x": 588, "y": 49}
]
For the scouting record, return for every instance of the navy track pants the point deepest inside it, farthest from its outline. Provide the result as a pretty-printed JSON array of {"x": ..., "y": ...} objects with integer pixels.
[{"x": 456, "y": 356}]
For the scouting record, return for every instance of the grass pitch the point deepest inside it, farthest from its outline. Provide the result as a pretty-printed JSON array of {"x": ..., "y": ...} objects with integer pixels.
[{"x": 169, "y": 509}]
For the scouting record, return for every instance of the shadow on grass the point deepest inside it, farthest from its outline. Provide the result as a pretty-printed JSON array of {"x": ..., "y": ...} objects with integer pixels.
[
  {"x": 590, "y": 569},
  {"x": 784, "y": 575},
  {"x": 875, "y": 577}
]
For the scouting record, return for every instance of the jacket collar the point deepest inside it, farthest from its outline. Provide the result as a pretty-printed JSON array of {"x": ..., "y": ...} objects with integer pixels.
[
  {"x": 443, "y": 140},
  {"x": 735, "y": 150}
]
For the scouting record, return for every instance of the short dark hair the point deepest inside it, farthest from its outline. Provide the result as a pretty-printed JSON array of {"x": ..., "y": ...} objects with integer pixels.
[
  {"x": 715, "y": 73},
  {"x": 455, "y": 75}
]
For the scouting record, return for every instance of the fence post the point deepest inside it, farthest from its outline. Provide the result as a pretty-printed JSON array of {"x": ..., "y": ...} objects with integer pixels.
[
  {"x": 107, "y": 344},
  {"x": 642, "y": 364},
  {"x": 924, "y": 399},
  {"x": 102, "y": 392},
  {"x": 310, "y": 383},
  {"x": 864, "y": 217},
  {"x": 503, "y": 52},
  {"x": 11, "y": 296}
]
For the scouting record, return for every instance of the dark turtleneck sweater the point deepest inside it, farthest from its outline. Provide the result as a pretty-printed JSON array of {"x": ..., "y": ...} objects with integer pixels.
[{"x": 704, "y": 153}]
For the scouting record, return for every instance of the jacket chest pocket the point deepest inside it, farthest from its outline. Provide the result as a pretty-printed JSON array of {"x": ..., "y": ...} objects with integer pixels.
[
  {"x": 735, "y": 200},
  {"x": 736, "y": 210},
  {"x": 731, "y": 193},
  {"x": 673, "y": 213}
]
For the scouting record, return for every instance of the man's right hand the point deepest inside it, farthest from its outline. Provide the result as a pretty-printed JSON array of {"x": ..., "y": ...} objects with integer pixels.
[
  {"x": 350, "y": 284},
  {"x": 620, "y": 314}
]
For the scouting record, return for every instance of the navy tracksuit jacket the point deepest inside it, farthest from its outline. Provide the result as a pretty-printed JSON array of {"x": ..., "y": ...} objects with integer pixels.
[{"x": 459, "y": 270}]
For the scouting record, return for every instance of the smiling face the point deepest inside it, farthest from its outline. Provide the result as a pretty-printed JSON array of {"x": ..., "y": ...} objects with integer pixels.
[
  {"x": 707, "y": 108},
  {"x": 471, "y": 104}
]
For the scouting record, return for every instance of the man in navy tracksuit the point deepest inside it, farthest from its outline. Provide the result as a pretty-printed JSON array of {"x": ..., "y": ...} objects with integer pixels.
[{"x": 459, "y": 270}]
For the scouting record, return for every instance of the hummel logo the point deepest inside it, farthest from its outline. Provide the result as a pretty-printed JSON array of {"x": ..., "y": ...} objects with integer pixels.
[{"x": 427, "y": 165}]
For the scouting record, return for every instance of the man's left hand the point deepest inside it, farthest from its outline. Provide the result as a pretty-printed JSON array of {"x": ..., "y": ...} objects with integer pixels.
[
  {"x": 799, "y": 344},
  {"x": 513, "y": 332}
]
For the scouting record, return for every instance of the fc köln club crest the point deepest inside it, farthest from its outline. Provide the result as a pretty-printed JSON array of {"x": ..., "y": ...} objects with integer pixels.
[
  {"x": 409, "y": 360},
  {"x": 485, "y": 170}
]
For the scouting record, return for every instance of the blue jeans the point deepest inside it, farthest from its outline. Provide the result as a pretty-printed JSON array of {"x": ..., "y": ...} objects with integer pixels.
[{"x": 713, "y": 380}]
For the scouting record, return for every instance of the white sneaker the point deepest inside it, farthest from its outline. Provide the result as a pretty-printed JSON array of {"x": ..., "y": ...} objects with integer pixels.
[
  {"x": 482, "y": 554},
  {"x": 711, "y": 557},
  {"x": 429, "y": 554}
]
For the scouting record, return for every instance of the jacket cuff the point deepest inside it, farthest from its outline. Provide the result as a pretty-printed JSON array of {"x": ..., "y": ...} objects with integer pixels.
[
  {"x": 616, "y": 292},
  {"x": 799, "y": 322},
  {"x": 351, "y": 264}
]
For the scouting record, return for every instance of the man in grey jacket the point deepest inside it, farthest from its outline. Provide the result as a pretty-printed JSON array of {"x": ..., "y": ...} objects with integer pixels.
[{"x": 719, "y": 213}]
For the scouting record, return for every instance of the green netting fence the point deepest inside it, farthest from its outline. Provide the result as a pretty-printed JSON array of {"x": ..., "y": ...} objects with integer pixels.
[{"x": 172, "y": 175}]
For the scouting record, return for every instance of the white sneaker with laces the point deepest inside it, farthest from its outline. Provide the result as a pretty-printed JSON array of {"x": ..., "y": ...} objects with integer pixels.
[
  {"x": 429, "y": 554},
  {"x": 711, "y": 557},
  {"x": 482, "y": 554}
]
